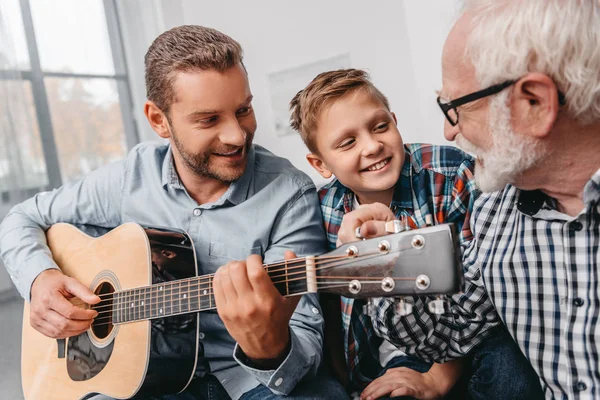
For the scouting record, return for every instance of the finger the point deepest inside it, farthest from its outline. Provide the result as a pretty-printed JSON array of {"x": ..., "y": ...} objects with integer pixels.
[
  {"x": 64, "y": 307},
  {"x": 220, "y": 298},
  {"x": 259, "y": 279},
  {"x": 223, "y": 277},
  {"x": 291, "y": 302},
  {"x": 289, "y": 255},
  {"x": 238, "y": 273},
  {"x": 378, "y": 391},
  {"x": 404, "y": 391},
  {"x": 77, "y": 289},
  {"x": 66, "y": 327},
  {"x": 356, "y": 218},
  {"x": 45, "y": 328},
  {"x": 370, "y": 229}
]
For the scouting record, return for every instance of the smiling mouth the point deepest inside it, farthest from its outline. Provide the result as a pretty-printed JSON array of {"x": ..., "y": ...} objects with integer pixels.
[
  {"x": 234, "y": 153},
  {"x": 377, "y": 166}
]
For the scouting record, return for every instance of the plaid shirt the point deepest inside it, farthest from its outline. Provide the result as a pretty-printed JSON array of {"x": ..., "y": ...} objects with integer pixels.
[
  {"x": 436, "y": 181},
  {"x": 539, "y": 270}
]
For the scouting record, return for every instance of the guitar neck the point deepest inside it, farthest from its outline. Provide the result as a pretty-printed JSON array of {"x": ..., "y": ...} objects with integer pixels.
[{"x": 196, "y": 294}]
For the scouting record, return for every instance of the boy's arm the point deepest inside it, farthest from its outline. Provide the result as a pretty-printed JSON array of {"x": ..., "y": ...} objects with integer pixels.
[{"x": 402, "y": 381}]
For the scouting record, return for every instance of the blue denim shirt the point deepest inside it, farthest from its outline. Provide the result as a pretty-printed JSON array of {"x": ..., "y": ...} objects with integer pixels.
[{"x": 271, "y": 208}]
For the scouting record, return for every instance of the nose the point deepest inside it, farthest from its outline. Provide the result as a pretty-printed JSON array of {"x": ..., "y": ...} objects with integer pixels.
[
  {"x": 233, "y": 134},
  {"x": 372, "y": 146},
  {"x": 450, "y": 131}
]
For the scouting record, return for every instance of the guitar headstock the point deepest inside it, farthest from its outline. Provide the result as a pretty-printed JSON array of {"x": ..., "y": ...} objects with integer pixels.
[{"x": 423, "y": 261}]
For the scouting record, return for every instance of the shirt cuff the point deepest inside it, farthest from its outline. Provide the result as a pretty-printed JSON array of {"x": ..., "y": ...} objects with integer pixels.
[
  {"x": 32, "y": 267},
  {"x": 291, "y": 371}
]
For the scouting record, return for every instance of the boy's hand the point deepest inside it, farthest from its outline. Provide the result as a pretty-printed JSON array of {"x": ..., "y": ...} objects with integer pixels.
[
  {"x": 371, "y": 219},
  {"x": 404, "y": 382},
  {"x": 253, "y": 311}
]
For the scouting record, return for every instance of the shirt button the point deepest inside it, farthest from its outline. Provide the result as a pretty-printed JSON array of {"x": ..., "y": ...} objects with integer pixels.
[
  {"x": 201, "y": 335},
  {"x": 315, "y": 310},
  {"x": 278, "y": 382},
  {"x": 581, "y": 386},
  {"x": 197, "y": 212},
  {"x": 576, "y": 226},
  {"x": 578, "y": 302}
]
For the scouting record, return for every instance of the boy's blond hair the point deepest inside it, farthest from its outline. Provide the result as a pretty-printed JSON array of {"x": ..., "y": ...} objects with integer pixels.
[{"x": 321, "y": 92}]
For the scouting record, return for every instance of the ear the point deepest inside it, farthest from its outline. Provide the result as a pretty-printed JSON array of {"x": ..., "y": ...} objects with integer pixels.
[
  {"x": 318, "y": 164},
  {"x": 157, "y": 119},
  {"x": 534, "y": 105},
  {"x": 395, "y": 119},
  {"x": 168, "y": 253}
]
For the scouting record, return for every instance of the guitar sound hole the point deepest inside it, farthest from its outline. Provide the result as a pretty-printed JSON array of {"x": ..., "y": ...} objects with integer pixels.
[{"x": 103, "y": 324}]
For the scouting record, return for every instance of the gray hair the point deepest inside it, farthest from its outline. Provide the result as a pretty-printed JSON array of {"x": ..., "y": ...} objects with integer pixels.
[{"x": 559, "y": 38}]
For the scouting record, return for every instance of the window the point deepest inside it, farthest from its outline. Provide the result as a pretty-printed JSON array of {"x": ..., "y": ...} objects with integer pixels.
[{"x": 65, "y": 103}]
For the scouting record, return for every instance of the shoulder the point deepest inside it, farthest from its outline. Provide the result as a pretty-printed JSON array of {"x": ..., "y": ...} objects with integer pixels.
[
  {"x": 495, "y": 207},
  {"x": 148, "y": 152},
  {"x": 444, "y": 160},
  {"x": 331, "y": 193},
  {"x": 273, "y": 169}
]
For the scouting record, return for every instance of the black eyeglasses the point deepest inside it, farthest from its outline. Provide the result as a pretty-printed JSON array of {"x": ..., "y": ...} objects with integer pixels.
[{"x": 449, "y": 108}]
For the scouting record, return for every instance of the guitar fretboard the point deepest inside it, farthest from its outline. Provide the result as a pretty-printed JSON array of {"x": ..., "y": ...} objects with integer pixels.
[{"x": 191, "y": 295}]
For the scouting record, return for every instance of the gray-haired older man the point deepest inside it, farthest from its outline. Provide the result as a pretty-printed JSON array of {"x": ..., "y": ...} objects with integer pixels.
[{"x": 521, "y": 90}]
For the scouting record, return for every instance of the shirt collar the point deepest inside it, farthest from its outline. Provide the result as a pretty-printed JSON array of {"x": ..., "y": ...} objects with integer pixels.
[
  {"x": 169, "y": 173},
  {"x": 235, "y": 194},
  {"x": 531, "y": 201},
  {"x": 591, "y": 191}
]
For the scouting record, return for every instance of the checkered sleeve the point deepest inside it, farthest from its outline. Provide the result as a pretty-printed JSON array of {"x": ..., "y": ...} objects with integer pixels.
[{"x": 471, "y": 319}]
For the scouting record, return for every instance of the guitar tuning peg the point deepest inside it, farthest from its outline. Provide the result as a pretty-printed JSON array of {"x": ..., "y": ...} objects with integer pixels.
[
  {"x": 369, "y": 308},
  {"x": 404, "y": 306},
  {"x": 439, "y": 306}
]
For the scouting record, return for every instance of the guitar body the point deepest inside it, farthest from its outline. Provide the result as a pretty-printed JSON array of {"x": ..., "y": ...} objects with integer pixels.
[{"x": 118, "y": 360}]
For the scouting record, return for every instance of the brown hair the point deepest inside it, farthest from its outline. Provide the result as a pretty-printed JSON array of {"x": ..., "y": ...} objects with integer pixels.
[
  {"x": 186, "y": 48},
  {"x": 307, "y": 104}
]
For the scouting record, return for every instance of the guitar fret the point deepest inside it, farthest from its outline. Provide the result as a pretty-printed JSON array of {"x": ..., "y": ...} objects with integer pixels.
[
  {"x": 176, "y": 298},
  {"x": 115, "y": 308},
  {"x": 287, "y": 286},
  {"x": 194, "y": 296}
]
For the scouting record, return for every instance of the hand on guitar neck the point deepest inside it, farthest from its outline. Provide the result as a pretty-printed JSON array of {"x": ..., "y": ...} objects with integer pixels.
[
  {"x": 52, "y": 314},
  {"x": 255, "y": 314}
]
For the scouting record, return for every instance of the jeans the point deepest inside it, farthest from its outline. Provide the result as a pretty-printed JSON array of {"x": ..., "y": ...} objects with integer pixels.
[
  {"x": 496, "y": 369},
  {"x": 323, "y": 387}
]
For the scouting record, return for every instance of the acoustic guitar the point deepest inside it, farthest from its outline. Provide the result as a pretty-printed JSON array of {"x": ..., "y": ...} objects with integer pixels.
[{"x": 145, "y": 337}]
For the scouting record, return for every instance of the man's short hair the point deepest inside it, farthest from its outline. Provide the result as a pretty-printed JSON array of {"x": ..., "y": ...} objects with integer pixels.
[
  {"x": 321, "y": 92},
  {"x": 186, "y": 48}
]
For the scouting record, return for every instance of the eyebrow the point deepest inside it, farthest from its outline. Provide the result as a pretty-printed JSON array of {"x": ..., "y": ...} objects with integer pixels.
[
  {"x": 377, "y": 115},
  {"x": 202, "y": 113}
]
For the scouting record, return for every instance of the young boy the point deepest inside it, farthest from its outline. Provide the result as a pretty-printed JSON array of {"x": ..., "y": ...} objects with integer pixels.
[{"x": 347, "y": 125}]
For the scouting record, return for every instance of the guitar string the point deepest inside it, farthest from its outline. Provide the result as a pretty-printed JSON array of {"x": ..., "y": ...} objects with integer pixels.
[
  {"x": 169, "y": 299},
  {"x": 131, "y": 293},
  {"x": 329, "y": 262},
  {"x": 208, "y": 292},
  {"x": 320, "y": 285},
  {"x": 296, "y": 263}
]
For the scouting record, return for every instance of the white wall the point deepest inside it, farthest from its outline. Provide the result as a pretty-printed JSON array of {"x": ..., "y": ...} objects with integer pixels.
[{"x": 398, "y": 42}]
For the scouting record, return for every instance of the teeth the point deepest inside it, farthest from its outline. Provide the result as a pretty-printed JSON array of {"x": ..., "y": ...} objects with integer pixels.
[{"x": 377, "y": 166}]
